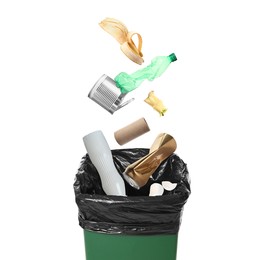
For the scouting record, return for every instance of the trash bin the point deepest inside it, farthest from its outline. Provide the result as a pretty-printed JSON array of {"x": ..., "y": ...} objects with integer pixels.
[{"x": 135, "y": 227}]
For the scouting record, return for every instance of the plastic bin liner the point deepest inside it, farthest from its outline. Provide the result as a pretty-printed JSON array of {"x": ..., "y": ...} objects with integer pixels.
[{"x": 137, "y": 213}]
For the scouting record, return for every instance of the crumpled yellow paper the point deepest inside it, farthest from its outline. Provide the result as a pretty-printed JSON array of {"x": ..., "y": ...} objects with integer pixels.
[{"x": 156, "y": 103}]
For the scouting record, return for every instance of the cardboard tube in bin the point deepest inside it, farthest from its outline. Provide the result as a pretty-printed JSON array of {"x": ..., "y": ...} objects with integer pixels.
[{"x": 131, "y": 131}]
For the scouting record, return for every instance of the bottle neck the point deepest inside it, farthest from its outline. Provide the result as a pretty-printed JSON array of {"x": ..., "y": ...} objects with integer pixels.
[{"x": 172, "y": 57}]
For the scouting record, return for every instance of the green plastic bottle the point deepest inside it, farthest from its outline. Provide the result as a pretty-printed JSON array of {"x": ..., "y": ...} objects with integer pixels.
[{"x": 158, "y": 66}]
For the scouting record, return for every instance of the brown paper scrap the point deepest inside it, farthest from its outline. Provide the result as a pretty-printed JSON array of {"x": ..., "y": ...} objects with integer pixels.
[{"x": 139, "y": 172}]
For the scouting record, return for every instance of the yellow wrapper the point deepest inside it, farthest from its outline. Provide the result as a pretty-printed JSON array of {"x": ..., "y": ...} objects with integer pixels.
[{"x": 156, "y": 103}]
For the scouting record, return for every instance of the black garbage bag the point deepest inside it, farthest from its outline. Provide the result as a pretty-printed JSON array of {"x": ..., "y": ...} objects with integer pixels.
[{"x": 137, "y": 213}]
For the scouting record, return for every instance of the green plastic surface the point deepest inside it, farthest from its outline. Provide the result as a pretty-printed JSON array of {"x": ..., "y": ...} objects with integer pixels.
[
  {"x": 158, "y": 66},
  {"x": 100, "y": 246}
]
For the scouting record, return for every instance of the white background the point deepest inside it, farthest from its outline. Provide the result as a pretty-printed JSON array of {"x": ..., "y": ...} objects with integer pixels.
[{"x": 51, "y": 54}]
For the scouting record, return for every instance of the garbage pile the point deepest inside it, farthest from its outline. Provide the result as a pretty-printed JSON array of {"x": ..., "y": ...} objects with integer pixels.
[{"x": 137, "y": 190}]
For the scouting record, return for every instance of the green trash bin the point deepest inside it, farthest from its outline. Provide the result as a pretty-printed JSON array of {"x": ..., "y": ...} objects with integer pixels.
[
  {"x": 136, "y": 227},
  {"x": 130, "y": 247}
]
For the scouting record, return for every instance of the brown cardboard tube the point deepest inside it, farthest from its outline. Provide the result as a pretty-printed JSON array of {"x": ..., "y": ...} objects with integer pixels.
[{"x": 131, "y": 131}]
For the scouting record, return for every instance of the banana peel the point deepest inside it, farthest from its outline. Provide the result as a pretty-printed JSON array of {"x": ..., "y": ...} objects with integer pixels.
[{"x": 125, "y": 38}]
